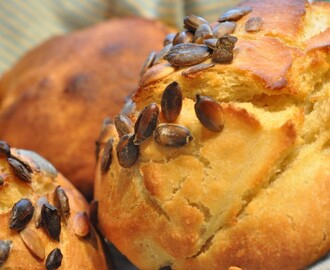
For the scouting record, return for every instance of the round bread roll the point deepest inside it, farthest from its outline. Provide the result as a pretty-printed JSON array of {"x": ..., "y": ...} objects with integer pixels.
[
  {"x": 57, "y": 94},
  {"x": 225, "y": 163},
  {"x": 43, "y": 218}
]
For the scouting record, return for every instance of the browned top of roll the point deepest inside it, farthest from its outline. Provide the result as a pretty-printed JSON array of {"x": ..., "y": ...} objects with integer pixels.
[{"x": 31, "y": 244}]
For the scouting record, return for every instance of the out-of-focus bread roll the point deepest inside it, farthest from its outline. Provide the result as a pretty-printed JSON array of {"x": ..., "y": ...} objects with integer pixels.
[
  {"x": 56, "y": 95},
  {"x": 243, "y": 180},
  {"x": 43, "y": 218}
]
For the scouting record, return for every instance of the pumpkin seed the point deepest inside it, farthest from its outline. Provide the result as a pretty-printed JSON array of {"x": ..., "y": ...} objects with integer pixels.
[
  {"x": 211, "y": 43},
  {"x": 183, "y": 37},
  {"x": 21, "y": 214},
  {"x": 20, "y": 169},
  {"x": 209, "y": 113},
  {"x": 127, "y": 151},
  {"x": 62, "y": 202},
  {"x": 203, "y": 31},
  {"x": 51, "y": 221},
  {"x": 38, "y": 218},
  {"x": 33, "y": 242},
  {"x": 123, "y": 124},
  {"x": 54, "y": 259},
  {"x": 128, "y": 107},
  {"x": 81, "y": 224},
  {"x": 169, "y": 39},
  {"x": 156, "y": 73},
  {"x": 223, "y": 52},
  {"x": 234, "y": 14},
  {"x": 148, "y": 63},
  {"x": 4, "y": 149},
  {"x": 161, "y": 54},
  {"x": 146, "y": 123},
  {"x": 107, "y": 156},
  {"x": 172, "y": 135},
  {"x": 171, "y": 102},
  {"x": 253, "y": 24},
  {"x": 34, "y": 162},
  {"x": 192, "y": 22},
  {"x": 1, "y": 180},
  {"x": 187, "y": 54},
  {"x": 197, "y": 68},
  {"x": 5, "y": 248},
  {"x": 224, "y": 28}
]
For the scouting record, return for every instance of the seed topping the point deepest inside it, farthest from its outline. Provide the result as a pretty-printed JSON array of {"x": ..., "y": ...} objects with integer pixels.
[
  {"x": 148, "y": 63},
  {"x": 209, "y": 113},
  {"x": 20, "y": 169},
  {"x": 21, "y": 214},
  {"x": 172, "y": 135},
  {"x": 211, "y": 43},
  {"x": 203, "y": 31},
  {"x": 1, "y": 180},
  {"x": 127, "y": 151},
  {"x": 33, "y": 242},
  {"x": 38, "y": 218},
  {"x": 192, "y": 22},
  {"x": 62, "y": 202},
  {"x": 223, "y": 52},
  {"x": 234, "y": 14},
  {"x": 123, "y": 124},
  {"x": 5, "y": 248},
  {"x": 146, "y": 123},
  {"x": 169, "y": 39},
  {"x": 183, "y": 37},
  {"x": 171, "y": 102},
  {"x": 187, "y": 54},
  {"x": 107, "y": 156},
  {"x": 224, "y": 28},
  {"x": 161, "y": 54},
  {"x": 4, "y": 149},
  {"x": 81, "y": 224},
  {"x": 51, "y": 221},
  {"x": 253, "y": 24},
  {"x": 54, "y": 259},
  {"x": 197, "y": 68}
]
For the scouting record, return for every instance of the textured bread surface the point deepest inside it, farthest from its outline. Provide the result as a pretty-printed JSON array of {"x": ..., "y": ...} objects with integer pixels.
[
  {"x": 55, "y": 96},
  {"x": 78, "y": 253},
  {"x": 254, "y": 196}
]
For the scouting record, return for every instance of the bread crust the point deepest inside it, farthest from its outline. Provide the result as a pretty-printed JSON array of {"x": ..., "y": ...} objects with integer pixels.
[
  {"x": 253, "y": 195},
  {"x": 83, "y": 253}
]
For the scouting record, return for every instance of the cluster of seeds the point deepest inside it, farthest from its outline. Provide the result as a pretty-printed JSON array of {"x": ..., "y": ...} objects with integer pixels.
[
  {"x": 45, "y": 215},
  {"x": 131, "y": 136},
  {"x": 200, "y": 41},
  {"x": 21, "y": 169}
]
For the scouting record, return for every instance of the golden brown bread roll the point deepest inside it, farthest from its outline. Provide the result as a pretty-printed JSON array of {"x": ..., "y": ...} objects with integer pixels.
[
  {"x": 57, "y": 94},
  {"x": 42, "y": 213},
  {"x": 238, "y": 175}
]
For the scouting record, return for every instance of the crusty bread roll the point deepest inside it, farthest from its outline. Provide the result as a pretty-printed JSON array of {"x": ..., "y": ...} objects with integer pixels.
[
  {"x": 42, "y": 213},
  {"x": 57, "y": 94},
  {"x": 238, "y": 175}
]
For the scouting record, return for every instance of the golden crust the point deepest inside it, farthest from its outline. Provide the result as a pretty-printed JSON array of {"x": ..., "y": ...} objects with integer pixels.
[
  {"x": 59, "y": 93},
  {"x": 251, "y": 196},
  {"x": 77, "y": 253}
]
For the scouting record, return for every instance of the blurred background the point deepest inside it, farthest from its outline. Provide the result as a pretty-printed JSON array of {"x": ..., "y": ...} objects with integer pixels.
[{"x": 26, "y": 23}]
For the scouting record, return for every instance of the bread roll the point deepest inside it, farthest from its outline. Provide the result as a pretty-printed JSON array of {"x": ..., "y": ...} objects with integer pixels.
[
  {"x": 41, "y": 213},
  {"x": 238, "y": 175},
  {"x": 58, "y": 93}
]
